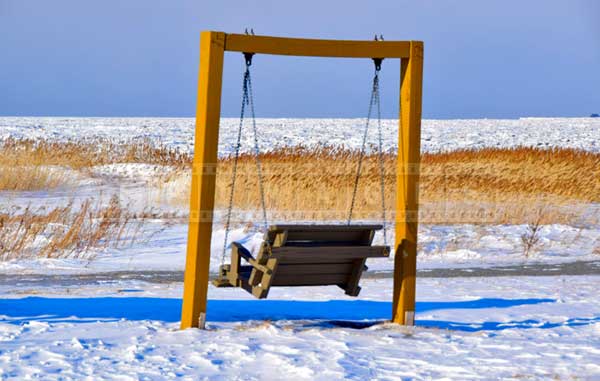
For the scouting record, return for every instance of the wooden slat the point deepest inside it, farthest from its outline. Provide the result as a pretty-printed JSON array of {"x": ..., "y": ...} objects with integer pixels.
[
  {"x": 309, "y": 227},
  {"x": 309, "y": 279},
  {"x": 267, "y": 279},
  {"x": 350, "y": 237},
  {"x": 234, "y": 267},
  {"x": 320, "y": 48},
  {"x": 344, "y": 234},
  {"x": 291, "y": 260},
  {"x": 280, "y": 239},
  {"x": 289, "y": 254},
  {"x": 262, "y": 258},
  {"x": 307, "y": 243},
  {"x": 315, "y": 268}
]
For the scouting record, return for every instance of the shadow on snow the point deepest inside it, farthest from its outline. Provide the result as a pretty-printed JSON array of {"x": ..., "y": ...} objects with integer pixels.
[{"x": 341, "y": 313}]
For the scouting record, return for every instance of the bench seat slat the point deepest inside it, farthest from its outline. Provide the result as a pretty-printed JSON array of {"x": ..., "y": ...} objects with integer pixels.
[
  {"x": 309, "y": 279},
  {"x": 328, "y": 228},
  {"x": 315, "y": 268},
  {"x": 309, "y": 254}
]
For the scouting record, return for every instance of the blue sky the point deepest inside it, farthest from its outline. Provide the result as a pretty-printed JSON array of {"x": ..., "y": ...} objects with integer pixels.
[{"x": 483, "y": 59}]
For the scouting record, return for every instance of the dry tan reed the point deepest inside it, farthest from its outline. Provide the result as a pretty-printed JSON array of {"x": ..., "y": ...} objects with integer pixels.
[
  {"x": 31, "y": 177},
  {"x": 82, "y": 154},
  {"x": 494, "y": 173},
  {"x": 68, "y": 231},
  {"x": 476, "y": 186},
  {"x": 486, "y": 186},
  {"x": 39, "y": 164}
]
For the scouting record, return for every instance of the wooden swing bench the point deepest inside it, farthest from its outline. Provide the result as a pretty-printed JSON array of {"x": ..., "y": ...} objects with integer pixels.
[{"x": 303, "y": 255}]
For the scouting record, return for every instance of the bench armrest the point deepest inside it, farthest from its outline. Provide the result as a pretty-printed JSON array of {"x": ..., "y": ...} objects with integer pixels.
[{"x": 244, "y": 253}]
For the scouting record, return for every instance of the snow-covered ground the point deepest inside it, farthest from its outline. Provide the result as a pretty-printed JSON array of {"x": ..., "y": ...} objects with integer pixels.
[
  {"x": 468, "y": 328},
  {"x": 508, "y": 327}
]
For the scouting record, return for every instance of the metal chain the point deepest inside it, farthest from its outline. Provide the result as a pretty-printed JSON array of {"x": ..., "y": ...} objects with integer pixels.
[
  {"x": 375, "y": 100},
  {"x": 235, "y": 161},
  {"x": 256, "y": 154},
  {"x": 247, "y": 100},
  {"x": 381, "y": 166},
  {"x": 374, "y": 91}
]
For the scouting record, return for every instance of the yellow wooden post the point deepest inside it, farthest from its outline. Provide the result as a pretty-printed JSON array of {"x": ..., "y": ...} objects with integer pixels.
[
  {"x": 407, "y": 186},
  {"x": 208, "y": 110}
]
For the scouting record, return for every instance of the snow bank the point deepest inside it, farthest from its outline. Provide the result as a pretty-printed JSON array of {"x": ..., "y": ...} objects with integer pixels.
[{"x": 437, "y": 135}]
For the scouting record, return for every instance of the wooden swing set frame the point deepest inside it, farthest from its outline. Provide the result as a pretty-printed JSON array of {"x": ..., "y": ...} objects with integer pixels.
[{"x": 213, "y": 45}]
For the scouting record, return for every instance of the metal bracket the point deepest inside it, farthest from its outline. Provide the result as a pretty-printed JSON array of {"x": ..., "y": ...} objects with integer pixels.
[
  {"x": 377, "y": 62},
  {"x": 248, "y": 58}
]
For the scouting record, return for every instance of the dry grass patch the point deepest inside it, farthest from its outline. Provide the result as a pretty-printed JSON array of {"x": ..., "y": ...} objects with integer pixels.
[
  {"x": 38, "y": 164},
  {"x": 474, "y": 186},
  {"x": 71, "y": 231},
  {"x": 29, "y": 178},
  {"x": 83, "y": 154},
  {"x": 478, "y": 186},
  {"x": 497, "y": 174}
]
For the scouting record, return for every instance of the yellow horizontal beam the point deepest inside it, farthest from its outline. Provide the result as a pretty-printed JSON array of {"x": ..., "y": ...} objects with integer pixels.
[{"x": 317, "y": 48}]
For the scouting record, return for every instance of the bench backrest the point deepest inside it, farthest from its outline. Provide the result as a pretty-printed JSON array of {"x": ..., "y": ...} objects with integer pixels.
[
  {"x": 305, "y": 255},
  {"x": 321, "y": 235}
]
